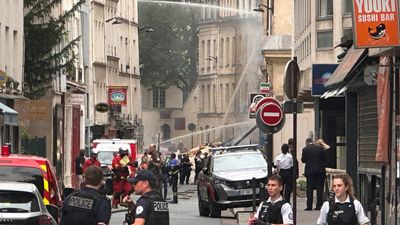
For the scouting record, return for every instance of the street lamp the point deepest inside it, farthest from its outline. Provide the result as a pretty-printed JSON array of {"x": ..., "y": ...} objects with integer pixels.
[
  {"x": 146, "y": 29},
  {"x": 117, "y": 21},
  {"x": 259, "y": 9}
]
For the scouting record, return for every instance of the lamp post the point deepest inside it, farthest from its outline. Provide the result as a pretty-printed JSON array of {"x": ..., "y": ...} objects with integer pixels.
[
  {"x": 146, "y": 29},
  {"x": 117, "y": 20},
  {"x": 270, "y": 11}
]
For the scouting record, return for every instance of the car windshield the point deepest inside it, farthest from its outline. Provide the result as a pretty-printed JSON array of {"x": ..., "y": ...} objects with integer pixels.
[
  {"x": 244, "y": 161},
  {"x": 23, "y": 174},
  {"x": 105, "y": 158},
  {"x": 17, "y": 202}
]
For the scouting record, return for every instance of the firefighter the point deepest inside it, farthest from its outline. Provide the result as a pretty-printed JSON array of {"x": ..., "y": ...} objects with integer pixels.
[
  {"x": 121, "y": 186},
  {"x": 92, "y": 160}
]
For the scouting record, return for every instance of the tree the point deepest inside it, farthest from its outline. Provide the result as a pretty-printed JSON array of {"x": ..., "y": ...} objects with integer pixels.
[
  {"x": 168, "y": 56},
  {"x": 47, "y": 49}
]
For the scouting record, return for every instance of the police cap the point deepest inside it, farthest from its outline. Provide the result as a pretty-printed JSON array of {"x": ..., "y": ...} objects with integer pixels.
[{"x": 143, "y": 175}]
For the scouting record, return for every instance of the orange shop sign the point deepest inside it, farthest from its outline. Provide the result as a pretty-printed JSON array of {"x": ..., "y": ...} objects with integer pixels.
[
  {"x": 117, "y": 95},
  {"x": 376, "y": 23}
]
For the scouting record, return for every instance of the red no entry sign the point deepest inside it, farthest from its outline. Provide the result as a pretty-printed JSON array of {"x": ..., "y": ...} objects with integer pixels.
[{"x": 271, "y": 114}]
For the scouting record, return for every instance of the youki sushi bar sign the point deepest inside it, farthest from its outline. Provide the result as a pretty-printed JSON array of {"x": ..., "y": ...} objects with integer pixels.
[
  {"x": 117, "y": 95},
  {"x": 376, "y": 23}
]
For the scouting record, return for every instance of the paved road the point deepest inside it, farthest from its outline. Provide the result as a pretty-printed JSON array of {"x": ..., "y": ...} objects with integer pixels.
[{"x": 186, "y": 211}]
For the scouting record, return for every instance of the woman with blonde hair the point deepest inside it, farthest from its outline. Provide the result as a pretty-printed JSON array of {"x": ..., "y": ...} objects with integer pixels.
[
  {"x": 344, "y": 208},
  {"x": 324, "y": 145}
]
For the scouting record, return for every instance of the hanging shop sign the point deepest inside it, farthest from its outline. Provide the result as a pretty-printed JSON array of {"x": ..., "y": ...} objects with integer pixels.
[
  {"x": 102, "y": 107},
  {"x": 3, "y": 77},
  {"x": 117, "y": 95},
  {"x": 376, "y": 23}
]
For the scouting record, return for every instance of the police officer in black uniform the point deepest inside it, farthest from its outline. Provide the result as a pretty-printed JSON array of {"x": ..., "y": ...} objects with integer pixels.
[
  {"x": 150, "y": 208},
  {"x": 343, "y": 208},
  {"x": 275, "y": 210},
  {"x": 87, "y": 206}
]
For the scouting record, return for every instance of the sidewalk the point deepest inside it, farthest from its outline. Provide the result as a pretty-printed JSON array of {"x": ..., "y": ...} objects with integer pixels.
[{"x": 302, "y": 217}]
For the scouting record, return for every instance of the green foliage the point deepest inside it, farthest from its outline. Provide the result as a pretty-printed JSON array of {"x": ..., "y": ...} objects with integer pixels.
[
  {"x": 48, "y": 51},
  {"x": 169, "y": 54}
]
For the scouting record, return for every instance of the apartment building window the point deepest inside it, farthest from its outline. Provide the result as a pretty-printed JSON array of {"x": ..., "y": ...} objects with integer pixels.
[
  {"x": 347, "y": 6},
  {"x": 324, "y": 39},
  {"x": 159, "y": 97},
  {"x": 325, "y": 8}
]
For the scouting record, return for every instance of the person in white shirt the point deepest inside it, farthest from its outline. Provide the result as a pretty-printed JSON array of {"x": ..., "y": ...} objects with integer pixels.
[
  {"x": 276, "y": 210},
  {"x": 344, "y": 209},
  {"x": 284, "y": 163}
]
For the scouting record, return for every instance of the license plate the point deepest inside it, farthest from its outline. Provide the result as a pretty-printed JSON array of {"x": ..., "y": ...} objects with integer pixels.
[{"x": 246, "y": 192}]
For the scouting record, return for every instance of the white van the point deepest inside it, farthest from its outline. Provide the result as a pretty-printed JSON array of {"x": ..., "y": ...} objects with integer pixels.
[{"x": 108, "y": 147}]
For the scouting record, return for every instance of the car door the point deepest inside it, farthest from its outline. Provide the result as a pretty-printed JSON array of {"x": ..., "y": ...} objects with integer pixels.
[{"x": 204, "y": 179}]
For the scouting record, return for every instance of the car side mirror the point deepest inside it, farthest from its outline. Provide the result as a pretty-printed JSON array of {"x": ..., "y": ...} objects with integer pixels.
[
  {"x": 67, "y": 191},
  {"x": 53, "y": 210}
]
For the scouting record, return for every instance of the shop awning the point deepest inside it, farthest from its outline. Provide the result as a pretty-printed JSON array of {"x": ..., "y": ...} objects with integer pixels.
[
  {"x": 350, "y": 62},
  {"x": 10, "y": 115}
]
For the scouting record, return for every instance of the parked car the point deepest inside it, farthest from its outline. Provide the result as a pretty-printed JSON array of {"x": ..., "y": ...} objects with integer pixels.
[
  {"x": 226, "y": 178},
  {"x": 21, "y": 203}
]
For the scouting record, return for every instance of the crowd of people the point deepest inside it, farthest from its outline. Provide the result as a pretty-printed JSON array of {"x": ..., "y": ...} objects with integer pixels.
[{"x": 155, "y": 173}]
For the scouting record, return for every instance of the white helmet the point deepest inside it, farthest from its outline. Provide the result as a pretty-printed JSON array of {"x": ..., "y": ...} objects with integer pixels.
[{"x": 95, "y": 151}]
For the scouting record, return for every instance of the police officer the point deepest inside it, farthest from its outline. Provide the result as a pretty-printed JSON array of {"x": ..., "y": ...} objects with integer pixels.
[
  {"x": 174, "y": 170},
  {"x": 284, "y": 163},
  {"x": 87, "y": 206},
  {"x": 275, "y": 210},
  {"x": 343, "y": 209},
  {"x": 151, "y": 208}
]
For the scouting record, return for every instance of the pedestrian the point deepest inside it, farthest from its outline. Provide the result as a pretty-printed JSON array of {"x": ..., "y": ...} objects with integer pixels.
[
  {"x": 173, "y": 172},
  {"x": 343, "y": 208},
  {"x": 186, "y": 168},
  {"x": 164, "y": 177},
  {"x": 275, "y": 210},
  {"x": 198, "y": 162},
  {"x": 314, "y": 157},
  {"x": 121, "y": 172},
  {"x": 284, "y": 164},
  {"x": 79, "y": 162},
  {"x": 295, "y": 161},
  {"x": 155, "y": 164},
  {"x": 87, "y": 206},
  {"x": 92, "y": 160},
  {"x": 151, "y": 208}
]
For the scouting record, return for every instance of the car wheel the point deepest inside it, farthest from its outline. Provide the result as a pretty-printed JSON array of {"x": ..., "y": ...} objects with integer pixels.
[
  {"x": 215, "y": 212},
  {"x": 203, "y": 210}
]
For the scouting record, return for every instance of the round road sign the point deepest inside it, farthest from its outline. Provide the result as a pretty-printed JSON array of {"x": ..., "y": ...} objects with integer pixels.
[
  {"x": 266, "y": 100},
  {"x": 271, "y": 114}
]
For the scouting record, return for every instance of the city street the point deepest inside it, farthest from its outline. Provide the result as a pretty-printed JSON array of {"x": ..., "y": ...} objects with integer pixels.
[{"x": 186, "y": 211}]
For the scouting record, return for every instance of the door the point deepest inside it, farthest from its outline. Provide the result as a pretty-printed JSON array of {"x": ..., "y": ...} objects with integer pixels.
[{"x": 76, "y": 133}]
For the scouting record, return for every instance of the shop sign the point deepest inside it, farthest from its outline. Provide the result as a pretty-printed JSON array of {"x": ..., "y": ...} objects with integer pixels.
[
  {"x": 3, "y": 77},
  {"x": 320, "y": 75},
  {"x": 117, "y": 95},
  {"x": 102, "y": 107},
  {"x": 376, "y": 23}
]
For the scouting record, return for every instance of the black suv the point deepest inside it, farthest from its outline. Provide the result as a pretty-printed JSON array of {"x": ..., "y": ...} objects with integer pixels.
[{"x": 226, "y": 178}]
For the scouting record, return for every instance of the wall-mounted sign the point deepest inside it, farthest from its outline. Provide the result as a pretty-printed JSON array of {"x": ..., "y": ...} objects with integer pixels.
[
  {"x": 102, "y": 107},
  {"x": 376, "y": 23},
  {"x": 117, "y": 95},
  {"x": 3, "y": 77},
  {"x": 320, "y": 75}
]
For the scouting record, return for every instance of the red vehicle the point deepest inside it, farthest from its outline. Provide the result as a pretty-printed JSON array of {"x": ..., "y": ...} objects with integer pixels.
[{"x": 31, "y": 169}]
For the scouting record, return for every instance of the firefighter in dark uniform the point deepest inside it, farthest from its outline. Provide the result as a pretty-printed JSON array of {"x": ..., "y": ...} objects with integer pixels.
[
  {"x": 343, "y": 209},
  {"x": 150, "y": 208},
  {"x": 275, "y": 210},
  {"x": 87, "y": 206}
]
